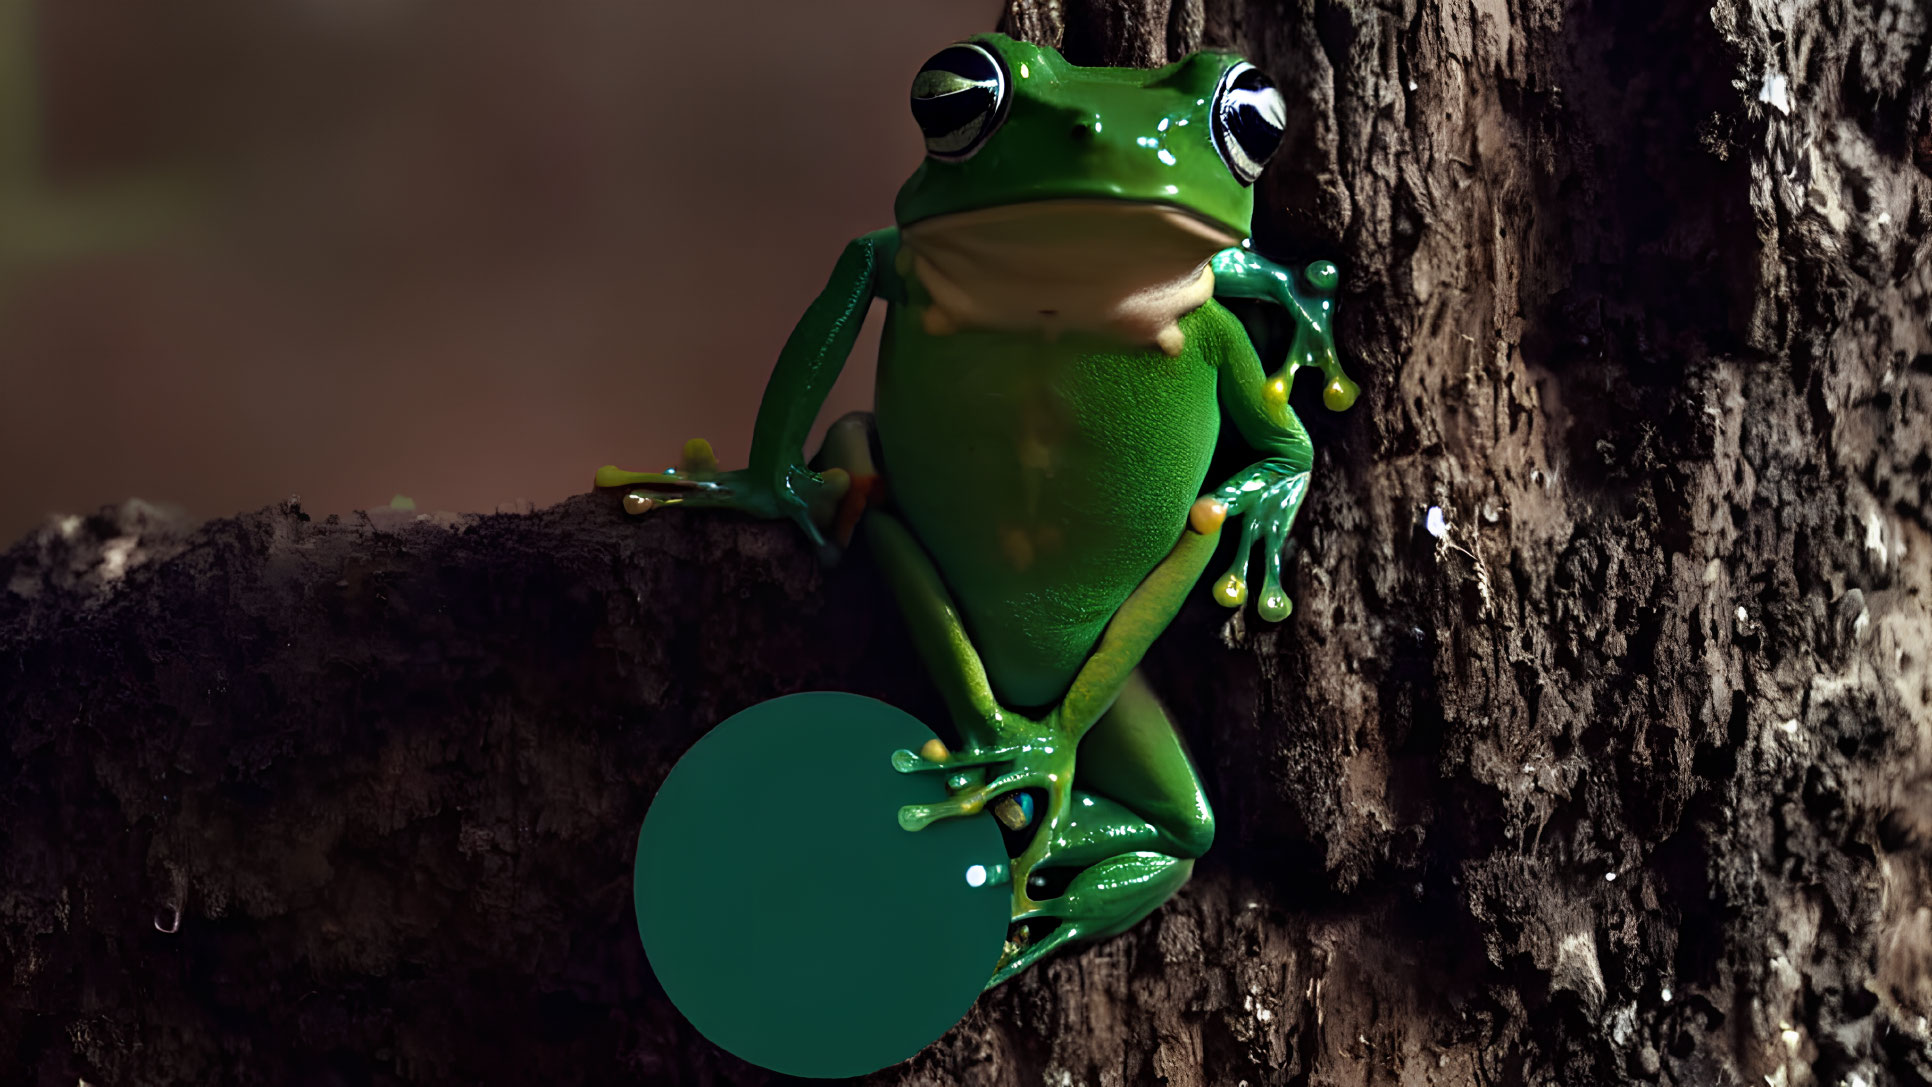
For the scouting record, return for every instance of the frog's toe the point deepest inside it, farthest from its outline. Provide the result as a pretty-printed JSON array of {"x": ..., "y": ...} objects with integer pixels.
[
  {"x": 1021, "y": 951},
  {"x": 646, "y": 491},
  {"x": 934, "y": 756},
  {"x": 698, "y": 460},
  {"x": 611, "y": 475},
  {"x": 921, "y": 816}
]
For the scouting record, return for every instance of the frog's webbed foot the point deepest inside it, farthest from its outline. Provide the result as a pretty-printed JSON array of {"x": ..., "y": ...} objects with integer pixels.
[
  {"x": 1044, "y": 761},
  {"x": 1267, "y": 501},
  {"x": 811, "y": 499},
  {"x": 1309, "y": 298},
  {"x": 1102, "y": 900},
  {"x": 1091, "y": 869}
]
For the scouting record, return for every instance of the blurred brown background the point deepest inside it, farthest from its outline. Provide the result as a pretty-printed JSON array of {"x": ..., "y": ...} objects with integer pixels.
[{"x": 464, "y": 250}]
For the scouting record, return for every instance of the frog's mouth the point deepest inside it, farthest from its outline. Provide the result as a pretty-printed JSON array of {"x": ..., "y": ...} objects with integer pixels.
[{"x": 1126, "y": 269}]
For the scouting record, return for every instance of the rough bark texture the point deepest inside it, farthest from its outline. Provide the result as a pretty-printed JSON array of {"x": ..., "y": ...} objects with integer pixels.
[{"x": 1624, "y": 775}]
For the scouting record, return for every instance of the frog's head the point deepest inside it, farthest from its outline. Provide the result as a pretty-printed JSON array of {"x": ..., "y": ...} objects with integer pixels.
[{"x": 1011, "y": 123}]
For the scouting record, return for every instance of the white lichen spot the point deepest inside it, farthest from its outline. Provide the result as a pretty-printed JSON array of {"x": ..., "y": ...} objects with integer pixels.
[
  {"x": 1623, "y": 1024},
  {"x": 1665, "y": 994},
  {"x": 69, "y": 525},
  {"x": 1875, "y": 536},
  {"x": 1742, "y": 615},
  {"x": 1434, "y": 522},
  {"x": 114, "y": 556},
  {"x": 1609, "y": 877},
  {"x": 1776, "y": 91},
  {"x": 1262, "y": 1015},
  {"x": 1789, "y": 725},
  {"x": 1412, "y": 84},
  {"x": 1576, "y": 966},
  {"x": 1789, "y": 1036},
  {"x": 1856, "y": 1079}
]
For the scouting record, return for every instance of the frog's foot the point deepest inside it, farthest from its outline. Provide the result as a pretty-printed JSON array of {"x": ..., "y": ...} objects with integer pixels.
[
  {"x": 1267, "y": 502},
  {"x": 810, "y": 498},
  {"x": 1103, "y": 900},
  {"x": 695, "y": 475},
  {"x": 1042, "y": 763}
]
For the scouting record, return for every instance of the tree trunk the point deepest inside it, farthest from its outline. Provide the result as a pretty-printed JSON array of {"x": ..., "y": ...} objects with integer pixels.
[{"x": 1598, "y": 748}]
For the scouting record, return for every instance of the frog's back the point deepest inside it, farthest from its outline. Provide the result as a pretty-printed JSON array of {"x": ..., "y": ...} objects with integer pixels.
[{"x": 1046, "y": 478}]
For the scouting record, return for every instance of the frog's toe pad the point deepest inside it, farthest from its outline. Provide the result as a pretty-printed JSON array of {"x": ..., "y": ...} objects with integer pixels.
[
  {"x": 1231, "y": 591},
  {"x": 1275, "y": 606}
]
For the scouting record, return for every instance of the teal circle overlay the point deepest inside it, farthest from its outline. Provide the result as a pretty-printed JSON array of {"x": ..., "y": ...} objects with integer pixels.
[{"x": 785, "y": 911}]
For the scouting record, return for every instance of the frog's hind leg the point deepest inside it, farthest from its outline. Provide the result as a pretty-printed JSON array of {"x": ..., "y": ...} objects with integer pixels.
[
  {"x": 1129, "y": 839},
  {"x": 1104, "y": 900},
  {"x": 938, "y": 633}
]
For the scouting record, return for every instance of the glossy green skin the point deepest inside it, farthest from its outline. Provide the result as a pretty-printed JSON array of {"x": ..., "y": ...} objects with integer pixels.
[
  {"x": 1035, "y": 647},
  {"x": 1147, "y": 138},
  {"x": 1115, "y": 517}
]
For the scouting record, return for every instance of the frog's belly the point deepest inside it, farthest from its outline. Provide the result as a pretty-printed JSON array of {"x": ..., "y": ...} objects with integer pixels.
[{"x": 1046, "y": 479}]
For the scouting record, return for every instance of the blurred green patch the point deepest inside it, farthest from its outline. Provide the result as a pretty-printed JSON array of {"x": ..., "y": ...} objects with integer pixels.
[{"x": 42, "y": 223}]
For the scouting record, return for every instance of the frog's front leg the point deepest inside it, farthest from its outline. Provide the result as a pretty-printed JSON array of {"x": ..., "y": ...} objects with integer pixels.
[
  {"x": 1268, "y": 494},
  {"x": 778, "y": 484}
]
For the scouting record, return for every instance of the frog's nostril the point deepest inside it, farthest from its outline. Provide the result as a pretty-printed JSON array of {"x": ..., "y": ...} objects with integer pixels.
[{"x": 1081, "y": 131}]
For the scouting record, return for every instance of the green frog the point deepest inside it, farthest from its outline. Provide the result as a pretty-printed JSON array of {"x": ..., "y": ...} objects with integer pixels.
[{"x": 1054, "y": 374}]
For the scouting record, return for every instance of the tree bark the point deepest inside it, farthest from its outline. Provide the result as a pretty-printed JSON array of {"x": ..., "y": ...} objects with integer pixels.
[{"x": 1597, "y": 750}]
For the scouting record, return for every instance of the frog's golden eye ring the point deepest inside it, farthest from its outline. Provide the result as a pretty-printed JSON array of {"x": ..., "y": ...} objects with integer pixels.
[
  {"x": 1248, "y": 118},
  {"x": 959, "y": 98}
]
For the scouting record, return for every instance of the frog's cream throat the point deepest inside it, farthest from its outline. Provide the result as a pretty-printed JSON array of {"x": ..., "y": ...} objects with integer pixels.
[{"x": 1127, "y": 270}]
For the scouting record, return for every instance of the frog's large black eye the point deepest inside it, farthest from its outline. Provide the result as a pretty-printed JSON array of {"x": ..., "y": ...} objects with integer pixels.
[
  {"x": 959, "y": 98},
  {"x": 1248, "y": 118}
]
